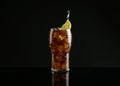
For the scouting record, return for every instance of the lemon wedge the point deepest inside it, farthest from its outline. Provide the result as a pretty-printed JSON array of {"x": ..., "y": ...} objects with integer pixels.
[{"x": 67, "y": 25}]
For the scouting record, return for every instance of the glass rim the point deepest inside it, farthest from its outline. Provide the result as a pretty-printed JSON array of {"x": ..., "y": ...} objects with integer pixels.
[{"x": 58, "y": 28}]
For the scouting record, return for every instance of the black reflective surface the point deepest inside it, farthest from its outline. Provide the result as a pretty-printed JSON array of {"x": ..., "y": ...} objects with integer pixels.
[
  {"x": 60, "y": 79},
  {"x": 75, "y": 77}
]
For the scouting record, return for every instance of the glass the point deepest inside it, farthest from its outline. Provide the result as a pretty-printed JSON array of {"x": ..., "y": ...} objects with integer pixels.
[
  {"x": 60, "y": 79},
  {"x": 60, "y": 46}
]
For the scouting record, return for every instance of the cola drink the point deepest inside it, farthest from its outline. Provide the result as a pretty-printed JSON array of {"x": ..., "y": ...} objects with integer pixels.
[{"x": 60, "y": 46}]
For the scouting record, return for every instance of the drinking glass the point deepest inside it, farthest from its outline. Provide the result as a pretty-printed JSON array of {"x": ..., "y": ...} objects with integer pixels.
[{"x": 60, "y": 46}]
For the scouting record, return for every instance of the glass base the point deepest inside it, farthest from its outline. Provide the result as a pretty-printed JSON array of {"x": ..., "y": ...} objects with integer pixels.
[{"x": 60, "y": 70}]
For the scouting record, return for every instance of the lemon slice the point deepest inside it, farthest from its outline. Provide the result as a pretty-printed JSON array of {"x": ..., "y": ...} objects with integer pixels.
[{"x": 67, "y": 25}]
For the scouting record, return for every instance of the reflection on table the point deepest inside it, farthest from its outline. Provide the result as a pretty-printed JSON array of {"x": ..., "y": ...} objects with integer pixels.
[{"x": 60, "y": 79}]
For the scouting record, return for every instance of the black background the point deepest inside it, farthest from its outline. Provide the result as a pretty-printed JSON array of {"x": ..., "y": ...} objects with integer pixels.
[{"x": 26, "y": 24}]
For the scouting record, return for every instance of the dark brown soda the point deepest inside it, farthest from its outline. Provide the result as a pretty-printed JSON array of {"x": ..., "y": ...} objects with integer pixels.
[{"x": 60, "y": 49}]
